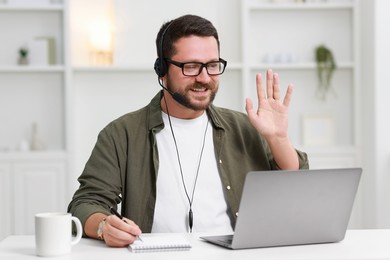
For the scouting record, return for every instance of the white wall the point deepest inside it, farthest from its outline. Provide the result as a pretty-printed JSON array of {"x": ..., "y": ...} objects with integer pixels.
[
  {"x": 376, "y": 106},
  {"x": 381, "y": 110},
  {"x": 368, "y": 126}
]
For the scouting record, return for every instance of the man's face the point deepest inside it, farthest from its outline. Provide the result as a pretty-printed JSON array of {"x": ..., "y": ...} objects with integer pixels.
[{"x": 199, "y": 91}]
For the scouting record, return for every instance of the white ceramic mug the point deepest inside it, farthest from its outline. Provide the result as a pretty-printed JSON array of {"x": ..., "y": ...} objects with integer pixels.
[{"x": 53, "y": 233}]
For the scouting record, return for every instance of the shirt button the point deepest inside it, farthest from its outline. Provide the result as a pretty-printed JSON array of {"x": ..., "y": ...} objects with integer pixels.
[
  {"x": 236, "y": 214},
  {"x": 220, "y": 161},
  {"x": 228, "y": 187}
]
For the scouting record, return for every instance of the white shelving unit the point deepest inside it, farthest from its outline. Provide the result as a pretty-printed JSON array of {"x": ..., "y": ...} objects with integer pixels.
[
  {"x": 37, "y": 91},
  {"x": 33, "y": 180},
  {"x": 289, "y": 33}
]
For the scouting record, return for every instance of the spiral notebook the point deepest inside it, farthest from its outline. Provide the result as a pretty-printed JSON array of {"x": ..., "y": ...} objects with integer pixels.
[{"x": 160, "y": 243}]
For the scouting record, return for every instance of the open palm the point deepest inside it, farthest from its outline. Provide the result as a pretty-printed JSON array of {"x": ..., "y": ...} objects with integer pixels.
[{"x": 271, "y": 117}]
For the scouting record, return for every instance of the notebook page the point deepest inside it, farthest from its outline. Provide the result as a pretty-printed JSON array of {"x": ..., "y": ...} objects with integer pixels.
[{"x": 159, "y": 243}]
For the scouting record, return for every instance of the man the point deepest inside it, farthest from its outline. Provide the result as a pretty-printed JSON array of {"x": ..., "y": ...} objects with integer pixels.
[{"x": 179, "y": 163}]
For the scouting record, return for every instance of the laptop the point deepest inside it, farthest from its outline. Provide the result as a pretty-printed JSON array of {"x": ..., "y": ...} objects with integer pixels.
[{"x": 283, "y": 208}]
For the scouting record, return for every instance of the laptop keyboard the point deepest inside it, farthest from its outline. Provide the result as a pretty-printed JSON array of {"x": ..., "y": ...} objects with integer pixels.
[{"x": 227, "y": 239}]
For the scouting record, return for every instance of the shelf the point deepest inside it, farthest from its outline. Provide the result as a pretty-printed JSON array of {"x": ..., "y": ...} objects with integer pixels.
[
  {"x": 32, "y": 69},
  {"x": 298, "y": 6},
  {"x": 115, "y": 68},
  {"x": 31, "y": 155},
  {"x": 34, "y": 8},
  {"x": 297, "y": 66}
]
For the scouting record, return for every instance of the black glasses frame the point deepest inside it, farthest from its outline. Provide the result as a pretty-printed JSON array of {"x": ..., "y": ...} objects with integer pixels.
[{"x": 202, "y": 65}]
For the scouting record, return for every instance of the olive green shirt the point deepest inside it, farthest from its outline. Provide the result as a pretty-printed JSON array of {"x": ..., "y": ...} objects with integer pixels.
[{"x": 124, "y": 163}]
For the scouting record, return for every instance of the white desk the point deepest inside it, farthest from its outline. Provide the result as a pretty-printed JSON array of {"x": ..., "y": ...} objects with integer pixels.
[{"x": 358, "y": 244}]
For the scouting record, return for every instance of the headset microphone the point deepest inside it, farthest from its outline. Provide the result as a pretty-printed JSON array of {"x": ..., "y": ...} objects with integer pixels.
[{"x": 176, "y": 96}]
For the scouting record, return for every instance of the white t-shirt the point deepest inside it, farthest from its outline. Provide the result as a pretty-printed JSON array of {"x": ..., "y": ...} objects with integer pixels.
[{"x": 210, "y": 210}]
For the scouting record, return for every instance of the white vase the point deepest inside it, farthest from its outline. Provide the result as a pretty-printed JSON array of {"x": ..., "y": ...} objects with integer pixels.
[{"x": 36, "y": 142}]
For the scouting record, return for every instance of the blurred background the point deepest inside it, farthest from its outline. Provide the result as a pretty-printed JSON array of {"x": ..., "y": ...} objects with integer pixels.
[{"x": 68, "y": 68}]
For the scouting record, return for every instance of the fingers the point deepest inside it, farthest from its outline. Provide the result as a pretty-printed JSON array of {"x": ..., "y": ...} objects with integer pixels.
[
  {"x": 249, "y": 107},
  {"x": 276, "y": 88},
  {"x": 118, "y": 233},
  {"x": 287, "y": 98},
  {"x": 270, "y": 84},
  {"x": 259, "y": 86},
  {"x": 272, "y": 88}
]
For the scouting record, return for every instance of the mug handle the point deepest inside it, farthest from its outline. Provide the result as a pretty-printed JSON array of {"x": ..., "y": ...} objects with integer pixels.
[{"x": 79, "y": 230}]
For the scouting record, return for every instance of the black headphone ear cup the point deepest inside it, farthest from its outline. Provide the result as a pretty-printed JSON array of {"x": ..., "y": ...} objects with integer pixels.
[
  {"x": 157, "y": 67},
  {"x": 160, "y": 67}
]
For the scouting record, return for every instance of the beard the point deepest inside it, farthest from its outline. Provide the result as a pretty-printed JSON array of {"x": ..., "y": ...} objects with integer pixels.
[{"x": 186, "y": 99}]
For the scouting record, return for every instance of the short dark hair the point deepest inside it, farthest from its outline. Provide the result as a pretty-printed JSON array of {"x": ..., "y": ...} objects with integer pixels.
[{"x": 180, "y": 27}]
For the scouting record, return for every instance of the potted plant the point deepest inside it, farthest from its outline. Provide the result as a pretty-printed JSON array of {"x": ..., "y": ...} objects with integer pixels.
[
  {"x": 325, "y": 67},
  {"x": 23, "y": 56}
]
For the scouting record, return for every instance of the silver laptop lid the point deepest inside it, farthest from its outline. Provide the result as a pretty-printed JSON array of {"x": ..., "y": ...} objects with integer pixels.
[{"x": 295, "y": 207}]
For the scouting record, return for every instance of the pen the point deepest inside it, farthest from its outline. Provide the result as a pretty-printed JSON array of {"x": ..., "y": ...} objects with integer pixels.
[{"x": 116, "y": 213}]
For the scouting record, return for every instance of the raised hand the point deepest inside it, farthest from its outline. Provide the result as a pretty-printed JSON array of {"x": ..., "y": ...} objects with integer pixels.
[
  {"x": 271, "y": 117},
  {"x": 271, "y": 120}
]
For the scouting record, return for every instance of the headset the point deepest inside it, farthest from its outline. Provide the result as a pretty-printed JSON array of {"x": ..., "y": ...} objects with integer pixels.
[
  {"x": 161, "y": 68},
  {"x": 160, "y": 65}
]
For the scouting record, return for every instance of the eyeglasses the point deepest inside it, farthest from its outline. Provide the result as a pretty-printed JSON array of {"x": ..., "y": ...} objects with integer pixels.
[{"x": 213, "y": 68}]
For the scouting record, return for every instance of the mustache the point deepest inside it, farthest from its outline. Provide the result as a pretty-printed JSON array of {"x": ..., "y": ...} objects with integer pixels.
[{"x": 201, "y": 85}]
